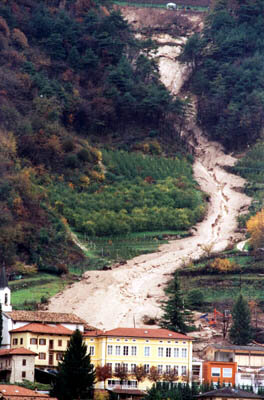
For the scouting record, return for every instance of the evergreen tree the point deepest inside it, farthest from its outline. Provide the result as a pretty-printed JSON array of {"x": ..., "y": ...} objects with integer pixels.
[
  {"x": 241, "y": 330},
  {"x": 175, "y": 317},
  {"x": 76, "y": 374},
  {"x": 1, "y": 325}
]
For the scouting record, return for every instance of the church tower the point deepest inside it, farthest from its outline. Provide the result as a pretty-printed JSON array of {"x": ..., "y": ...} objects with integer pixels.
[{"x": 5, "y": 293}]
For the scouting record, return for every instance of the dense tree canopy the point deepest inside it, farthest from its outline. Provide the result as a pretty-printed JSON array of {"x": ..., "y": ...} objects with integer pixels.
[{"x": 228, "y": 74}]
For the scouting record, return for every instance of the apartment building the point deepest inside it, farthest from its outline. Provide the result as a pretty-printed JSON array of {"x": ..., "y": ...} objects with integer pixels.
[
  {"x": 48, "y": 342},
  {"x": 130, "y": 348}
]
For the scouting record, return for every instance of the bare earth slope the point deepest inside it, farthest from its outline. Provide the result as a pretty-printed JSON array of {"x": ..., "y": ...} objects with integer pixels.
[{"x": 122, "y": 296}]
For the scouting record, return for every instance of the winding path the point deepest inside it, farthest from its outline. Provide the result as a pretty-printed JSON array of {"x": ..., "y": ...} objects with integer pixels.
[{"x": 123, "y": 296}]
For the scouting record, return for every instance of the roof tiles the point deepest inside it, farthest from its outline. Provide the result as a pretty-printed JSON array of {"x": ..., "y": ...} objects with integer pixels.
[
  {"x": 44, "y": 316},
  {"x": 43, "y": 328}
]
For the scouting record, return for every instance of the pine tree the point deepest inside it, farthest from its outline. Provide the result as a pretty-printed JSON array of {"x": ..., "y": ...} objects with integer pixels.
[
  {"x": 1, "y": 325},
  {"x": 175, "y": 317},
  {"x": 76, "y": 374},
  {"x": 241, "y": 330}
]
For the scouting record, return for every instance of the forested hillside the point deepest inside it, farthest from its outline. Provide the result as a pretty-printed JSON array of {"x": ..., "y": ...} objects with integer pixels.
[
  {"x": 78, "y": 95},
  {"x": 227, "y": 60}
]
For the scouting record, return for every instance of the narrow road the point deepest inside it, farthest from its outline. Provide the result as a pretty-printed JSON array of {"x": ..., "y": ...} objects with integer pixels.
[{"x": 125, "y": 295}]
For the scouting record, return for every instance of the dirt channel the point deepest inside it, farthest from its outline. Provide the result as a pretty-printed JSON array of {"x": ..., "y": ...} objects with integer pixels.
[{"x": 124, "y": 295}]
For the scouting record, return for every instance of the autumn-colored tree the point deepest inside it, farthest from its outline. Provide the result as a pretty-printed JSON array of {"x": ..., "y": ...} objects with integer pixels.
[
  {"x": 140, "y": 373},
  {"x": 103, "y": 372},
  {"x": 121, "y": 372},
  {"x": 154, "y": 375},
  {"x": 19, "y": 38},
  {"x": 223, "y": 265},
  {"x": 255, "y": 226},
  {"x": 170, "y": 375}
]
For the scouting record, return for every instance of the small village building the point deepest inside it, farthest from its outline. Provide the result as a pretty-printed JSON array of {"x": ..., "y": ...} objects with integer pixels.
[
  {"x": 17, "y": 365},
  {"x": 48, "y": 342},
  {"x": 14, "y": 392},
  {"x": 249, "y": 360},
  {"x": 220, "y": 372},
  {"x": 228, "y": 393}
]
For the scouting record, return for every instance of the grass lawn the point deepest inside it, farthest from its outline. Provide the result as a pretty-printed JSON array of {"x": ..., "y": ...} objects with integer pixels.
[{"x": 31, "y": 290}]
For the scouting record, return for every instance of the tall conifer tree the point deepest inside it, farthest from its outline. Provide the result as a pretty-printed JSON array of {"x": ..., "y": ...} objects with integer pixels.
[
  {"x": 241, "y": 329},
  {"x": 175, "y": 316},
  {"x": 76, "y": 374}
]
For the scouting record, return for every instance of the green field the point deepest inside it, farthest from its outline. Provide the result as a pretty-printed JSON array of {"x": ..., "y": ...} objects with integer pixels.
[{"x": 36, "y": 289}]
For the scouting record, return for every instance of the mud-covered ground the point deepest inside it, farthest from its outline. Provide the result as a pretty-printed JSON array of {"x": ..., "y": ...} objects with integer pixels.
[{"x": 124, "y": 295}]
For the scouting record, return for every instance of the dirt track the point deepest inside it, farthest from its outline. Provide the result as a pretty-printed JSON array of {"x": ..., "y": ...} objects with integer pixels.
[{"x": 122, "y": 296}]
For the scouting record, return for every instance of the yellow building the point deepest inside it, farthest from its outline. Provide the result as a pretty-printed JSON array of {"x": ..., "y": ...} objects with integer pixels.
[
  {"x": 48, "y": 342},
  {"x": 129, "y": 348}
]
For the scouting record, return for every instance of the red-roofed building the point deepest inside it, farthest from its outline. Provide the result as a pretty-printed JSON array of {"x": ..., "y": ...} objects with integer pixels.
[
  {"x": 14, "y": 392},
  {"x": 17, "y": 365},
  {"x": 128, "y": 348},
  {"x": 48, "y": 342}
]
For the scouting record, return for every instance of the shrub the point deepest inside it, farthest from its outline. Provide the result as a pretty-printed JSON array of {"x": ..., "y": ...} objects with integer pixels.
[
  {"x": 68, "y": 145},
  {"x": 20, "y": 38},
  {"x": 223, "y": 265},
  {"x": 83, "y": 155},
  {"x": 195, "y": 299},
  {"x": 71, "y": 161}
]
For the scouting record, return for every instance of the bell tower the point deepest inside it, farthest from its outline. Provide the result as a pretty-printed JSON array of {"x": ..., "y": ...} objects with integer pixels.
[{"x": 5, "y": 293}]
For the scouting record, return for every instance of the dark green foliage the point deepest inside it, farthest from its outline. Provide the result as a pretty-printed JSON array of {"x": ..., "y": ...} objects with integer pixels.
[
  {"x": 1, "y": 325},
  {"x": 195, "y": 299},
  {"x": 76, "y": 374},
  {"x": 228, "y": 75},
  {"x": 175, "y": 316},
  {"x": 241, "y": 330},
  {"x": 176, "y": 391}
]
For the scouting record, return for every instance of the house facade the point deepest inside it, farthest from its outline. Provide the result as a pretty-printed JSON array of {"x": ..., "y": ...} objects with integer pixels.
[
  {"x": 249, "y": 360},
  {"x": 129, "y": 348},
  {"x": 17, "y": 365},
  {"x": 48, "y": 342}
]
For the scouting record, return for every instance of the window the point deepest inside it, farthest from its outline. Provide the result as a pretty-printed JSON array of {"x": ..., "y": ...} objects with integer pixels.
[
  {"x": 184, "y": 353},
  {"x": 33, "y": 341},
  {"x": 196, "y": 370},
  {"x": 227, "y": 372},
  {"x": 21, "y": 340},
  {"x": 117, "y": 366},
  {"x": 133, "y": 367},
  {"x": 146, "y": 368},
  {"x": 132, "y": 383},
  {"x": 6, "y": 298},
  {"x": 118, "y": 350},
  {"x": 184, "y": 370},
  {"x": 109, "y": 349},
  {"x": 24, "y": 362},
  {"x": 215, "y": 371},
  {"x": 23, "y": 374},
  {"x": 146, "y": 351},
  {"x": 125, "y": 367},
  {"x": 68, "y": 342},
  {"x": 109, "y": 366},
  {"x": 160, "y": 369},
  {"x": 133, "y": 351},
  {"x": 42, "y": 356},
  {"x": 168, "y": 369},
  {"x": 15, "y": 341},
  {"x": 59, "y": 356},
  {"x": 176, "y": 370},
  {"x": 168, "y": 352},
  {"x": 91, "y": 350},
  {"x": 125, "y": 351},
  {"x": 160, "y": 351},
  {"x": 59, "y": 342},
  {"x": 42, "y": 342},
  {"x": 176, "y": 353}
]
